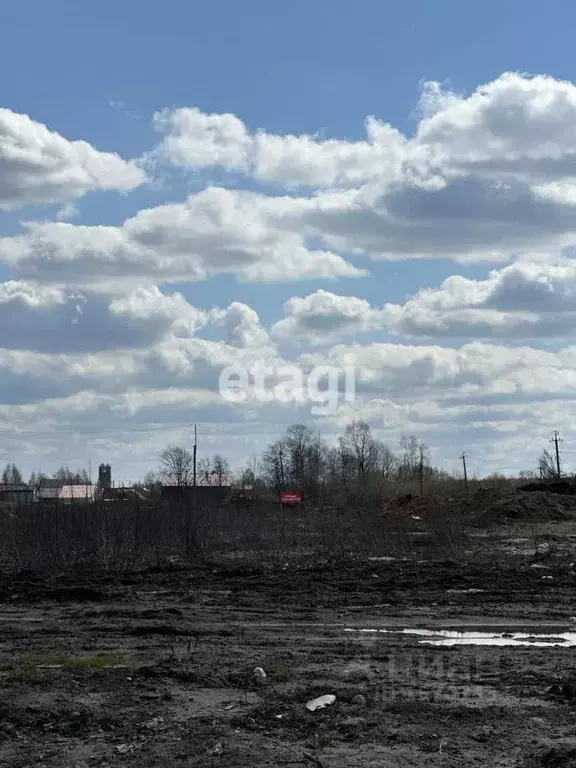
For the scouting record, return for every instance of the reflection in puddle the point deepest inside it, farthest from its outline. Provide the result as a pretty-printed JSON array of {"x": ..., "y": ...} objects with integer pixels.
[{"x": 474, "y": 637}]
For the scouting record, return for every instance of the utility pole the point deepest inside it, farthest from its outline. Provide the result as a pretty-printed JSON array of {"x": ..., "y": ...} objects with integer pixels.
[
  {"x": 194, "y": 454},
  {"x": 421, "y": 470},
  {"x": 557, "y": 439},
  {"x": 464, "y": 457}
]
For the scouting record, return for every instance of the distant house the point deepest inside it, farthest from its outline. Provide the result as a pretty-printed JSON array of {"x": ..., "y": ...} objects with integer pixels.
[
  {"x": 69, "y": 494},
  {"x": 48, "y": 489},
  {"x": 197, "y": 496},
  {"x": 122, "y": 494},
  {"x": 16, "y": 493}
]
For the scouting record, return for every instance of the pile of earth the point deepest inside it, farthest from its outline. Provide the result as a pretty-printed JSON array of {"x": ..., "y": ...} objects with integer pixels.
[
  {"x": 487, "y": 506},
  {"x": 413, "y": 505},
  {"x": 566, "y": 487},
  {"x": 551, "y": 754}
]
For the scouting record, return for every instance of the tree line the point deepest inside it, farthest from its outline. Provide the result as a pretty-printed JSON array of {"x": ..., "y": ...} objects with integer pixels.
[
  {"x": 11, "y": 475},
  {"x": 301, "y": 460}
]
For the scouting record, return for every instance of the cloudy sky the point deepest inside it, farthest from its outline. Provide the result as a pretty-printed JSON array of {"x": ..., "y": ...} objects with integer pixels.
[{"x": 308, "y": 183}]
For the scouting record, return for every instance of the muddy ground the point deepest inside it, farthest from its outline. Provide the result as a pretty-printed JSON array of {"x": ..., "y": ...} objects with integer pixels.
[{"x": 155, "y": 668}]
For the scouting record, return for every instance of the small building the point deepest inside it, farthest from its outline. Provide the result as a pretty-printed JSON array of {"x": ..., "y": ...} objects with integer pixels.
[
  {"x": 48, "y": 490},
  {"x": 70, "y": 494},
  {"x": 197, "y": 496},
  {"x": 16, "y": 493},
  {"x": 123, "y": 494}
]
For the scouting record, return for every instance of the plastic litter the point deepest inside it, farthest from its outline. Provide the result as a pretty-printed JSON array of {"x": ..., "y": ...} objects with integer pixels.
[{"x": 321, "y": 702}]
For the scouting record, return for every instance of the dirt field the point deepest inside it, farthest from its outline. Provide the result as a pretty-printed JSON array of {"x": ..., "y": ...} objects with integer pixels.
[{"x": 155, "y": 668}]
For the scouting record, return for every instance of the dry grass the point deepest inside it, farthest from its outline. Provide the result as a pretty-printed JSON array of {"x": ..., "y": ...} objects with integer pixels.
[
  {"x": 36, "y": 669},
  {"x": 120, "y": 536}
]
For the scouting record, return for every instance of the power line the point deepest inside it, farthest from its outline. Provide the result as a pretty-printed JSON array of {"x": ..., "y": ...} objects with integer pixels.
[
  {"x": 557, "y": 439},
  {"x": 421, "y": 469},
  {"x": 195, "y": 450},
  {"x": 463, "y": 458}
]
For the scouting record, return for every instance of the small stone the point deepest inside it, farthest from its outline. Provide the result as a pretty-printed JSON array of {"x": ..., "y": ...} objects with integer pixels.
[
  {"x": 154, "y": 723},
  {"x": 359, "y": 700},
  {"x": 483, "y": 734},
  {"x": 351, "y": 724}
]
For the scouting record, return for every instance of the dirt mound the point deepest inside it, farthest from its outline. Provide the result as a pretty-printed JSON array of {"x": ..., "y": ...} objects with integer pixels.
[
  {"x": 522, "y": 506},
  {"x": 560, "y": 486},
  {"x": 550, "y": 754},
  {"x": 410, "y": 504},
  {"x": 487, "y": 506}
]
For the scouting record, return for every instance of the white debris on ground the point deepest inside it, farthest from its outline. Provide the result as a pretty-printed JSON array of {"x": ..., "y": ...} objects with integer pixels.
[{"x": 321, "y": 702}]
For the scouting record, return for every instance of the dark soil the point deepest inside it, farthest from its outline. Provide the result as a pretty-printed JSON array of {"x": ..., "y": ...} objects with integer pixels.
[{"x": 155, "y": 668}]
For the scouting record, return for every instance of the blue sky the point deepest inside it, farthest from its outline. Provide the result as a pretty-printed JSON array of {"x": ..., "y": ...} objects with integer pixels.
[
  {"x": 302, "y": 67},
  {"x": 466, "y": 243},
  {"x": 292, "y": 67}
]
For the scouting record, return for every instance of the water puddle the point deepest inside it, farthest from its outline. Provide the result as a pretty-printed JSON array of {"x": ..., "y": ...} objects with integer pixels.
[{"x": 451, "y": 637}]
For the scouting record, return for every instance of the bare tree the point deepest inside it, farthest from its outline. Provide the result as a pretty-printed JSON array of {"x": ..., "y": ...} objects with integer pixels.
[
  {"x": 221, "y": 469},
  {"x": 315, "y": 463},
  {"x": 66, "y": 475},
  {"x": 249, "y": 475},
  {"x": 332, "y": 465},
  {"x": 205, "y": 472},
  {"x": 409, "y": 468},
  {"x": 152, "y": 479},
  {"x": 245, "y": 478},
  {"x": 274, "y": 464},
  {"x": 387, "y": 462},
  {"x": 176, "y": 466},
  {"x": 360, "y": 448},
  {"x": 297, "y": 441},
  {"x": 305, "y": 457},
  {"x": 547, "y": 466}
]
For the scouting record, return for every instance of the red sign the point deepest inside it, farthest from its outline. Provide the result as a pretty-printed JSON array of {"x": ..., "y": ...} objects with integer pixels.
[{"x": 290, "y": 497}]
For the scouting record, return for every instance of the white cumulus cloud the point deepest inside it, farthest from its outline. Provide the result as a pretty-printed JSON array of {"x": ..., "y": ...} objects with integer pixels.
[
  {"x": 38, "y": 165},
  {"x": 215, "y": 231}
]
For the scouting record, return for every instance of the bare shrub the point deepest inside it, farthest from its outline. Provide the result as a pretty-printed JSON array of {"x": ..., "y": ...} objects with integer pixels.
[
  {"x": 446, "y": 526},
  {"x": 122, "y": 535}
]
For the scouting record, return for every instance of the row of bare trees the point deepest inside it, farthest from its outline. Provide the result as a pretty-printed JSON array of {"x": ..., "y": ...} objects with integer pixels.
[
  {"x": 176, "y": 467},
  {"x": 302, "y": 459}
]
